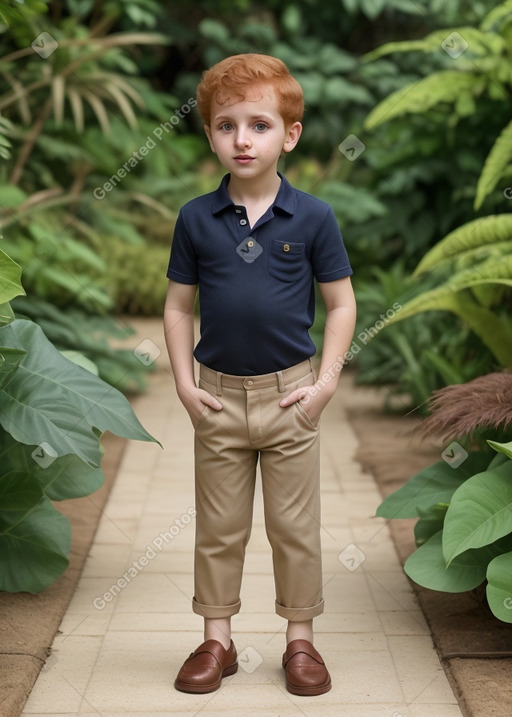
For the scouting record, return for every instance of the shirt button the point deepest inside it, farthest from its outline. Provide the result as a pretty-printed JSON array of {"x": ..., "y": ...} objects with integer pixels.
[
  {"x": 243, "y": 222},
  {"x": 250, "y": 243},
  {"x": 286, "y": 247}
]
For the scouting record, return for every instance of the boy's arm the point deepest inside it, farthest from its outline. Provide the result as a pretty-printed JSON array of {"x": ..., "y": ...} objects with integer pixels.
[
  {"x": 340, "y": 305},
  {"x": 179, "y": 338}
]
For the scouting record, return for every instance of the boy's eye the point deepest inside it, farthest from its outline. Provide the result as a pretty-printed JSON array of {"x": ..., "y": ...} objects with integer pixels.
[
  {"x": 261, "y": 126},
  {"x": 226, "y": 126}
]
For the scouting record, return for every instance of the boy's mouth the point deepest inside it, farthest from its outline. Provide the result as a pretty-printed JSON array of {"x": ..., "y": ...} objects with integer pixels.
[{"x": 244, "y": 158}]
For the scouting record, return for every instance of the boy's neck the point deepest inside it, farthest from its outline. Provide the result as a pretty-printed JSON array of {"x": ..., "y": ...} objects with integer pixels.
[{"x": 254, "y": 190}]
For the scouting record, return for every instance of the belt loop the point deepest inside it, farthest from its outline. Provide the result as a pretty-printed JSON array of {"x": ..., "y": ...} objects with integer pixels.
[
  {"x": 218, "y": 376},
  {"x": 280, "y": 382}
]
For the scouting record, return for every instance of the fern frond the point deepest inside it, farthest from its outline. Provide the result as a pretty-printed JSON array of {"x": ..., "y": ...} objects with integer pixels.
[
  {"x": 498, "y": 15},
  {"x": 494, "y": 331},
  {"x": 496, "y": 270},
  {"x": 497, "y": 161},
  {"x": 477, "y": 233},
  {"x": 419, "y": 97},
  {"x": 479, "y": 42},
  {"x": 482, "y": 253}
]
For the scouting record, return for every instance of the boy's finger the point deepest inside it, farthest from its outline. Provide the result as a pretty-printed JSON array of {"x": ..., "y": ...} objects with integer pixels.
[
  {"x": 293, "y": 397},
  {"x": 213, "y": 403}
]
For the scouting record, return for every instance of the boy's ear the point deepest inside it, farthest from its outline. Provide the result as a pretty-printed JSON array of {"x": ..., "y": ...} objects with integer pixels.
[
  {"x": 209, "y": 135},
  {"x": 293, "y": 133}
]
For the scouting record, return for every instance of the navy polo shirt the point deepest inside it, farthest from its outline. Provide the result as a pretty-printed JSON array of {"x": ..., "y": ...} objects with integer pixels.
[{"x": 256, "y": 285}]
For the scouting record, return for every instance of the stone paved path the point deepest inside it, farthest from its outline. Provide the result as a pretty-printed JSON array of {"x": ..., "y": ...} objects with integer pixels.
[{"x": 120, "y": 647}]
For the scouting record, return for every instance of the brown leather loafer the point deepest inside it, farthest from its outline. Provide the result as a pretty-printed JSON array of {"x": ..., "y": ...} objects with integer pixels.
[
  {"x": 204, "y": 669},
  {"x": 306, "y": 673}
]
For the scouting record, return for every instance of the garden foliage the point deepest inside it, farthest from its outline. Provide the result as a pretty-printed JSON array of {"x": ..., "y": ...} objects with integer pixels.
[
  {"x": 53, "y": 413},
  {"x": 469, "y": 272},
  {"x": 463, "y": 533}
]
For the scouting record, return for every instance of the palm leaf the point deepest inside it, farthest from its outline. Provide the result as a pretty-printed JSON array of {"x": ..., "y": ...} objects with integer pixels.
[
  {"x": 123, "y": 104},
  {"x": 58, "y": 96},
  {"x": 498, "y": 159},
  {"x": 99, "y": 110},
  {"x": 477, "y": 233},
  {"x": 77, "y": 107}
]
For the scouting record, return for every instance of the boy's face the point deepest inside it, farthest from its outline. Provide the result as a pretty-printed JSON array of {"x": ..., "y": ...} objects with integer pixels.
[{"x": 248, "y": 136}]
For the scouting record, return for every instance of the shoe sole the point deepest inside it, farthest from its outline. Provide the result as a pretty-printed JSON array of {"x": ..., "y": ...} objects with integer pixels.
[
  {"x": 308, "y": 691},
  {"x": 204, "y": 689}
]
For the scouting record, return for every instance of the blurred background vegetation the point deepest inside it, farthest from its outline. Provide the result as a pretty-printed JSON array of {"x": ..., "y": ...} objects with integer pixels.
[{"x": 89, "y": 85}]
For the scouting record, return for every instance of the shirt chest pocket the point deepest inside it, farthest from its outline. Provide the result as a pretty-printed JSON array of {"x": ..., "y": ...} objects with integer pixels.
[{"x": 287, "y": 260}]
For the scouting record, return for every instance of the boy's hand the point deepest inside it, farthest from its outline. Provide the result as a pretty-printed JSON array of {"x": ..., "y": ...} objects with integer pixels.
[
  {"x": 313, "y": 400},
  {"x": 195, "y": 401}
]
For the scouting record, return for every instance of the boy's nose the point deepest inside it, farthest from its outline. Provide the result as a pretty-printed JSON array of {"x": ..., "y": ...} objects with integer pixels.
[{"x": 242, "y": 139}]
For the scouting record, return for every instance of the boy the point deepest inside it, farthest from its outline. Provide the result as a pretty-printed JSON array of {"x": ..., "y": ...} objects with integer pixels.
[{"x": 254, "y": 247}]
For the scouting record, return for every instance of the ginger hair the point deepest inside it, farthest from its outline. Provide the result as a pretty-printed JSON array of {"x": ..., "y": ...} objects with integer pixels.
[{"x": 228, "y": 82}]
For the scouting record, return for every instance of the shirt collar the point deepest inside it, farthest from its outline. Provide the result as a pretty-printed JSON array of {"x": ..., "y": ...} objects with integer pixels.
[{"x": 285, "y": 199}]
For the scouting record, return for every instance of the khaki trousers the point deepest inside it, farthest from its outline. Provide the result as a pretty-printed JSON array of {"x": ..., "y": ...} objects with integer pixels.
[{"x": 228, "y": 443}]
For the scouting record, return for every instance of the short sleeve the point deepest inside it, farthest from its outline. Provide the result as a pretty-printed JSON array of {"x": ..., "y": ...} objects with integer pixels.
[
  {"x": 329, "y": 257},
  {"x": 183, "y": 260}
]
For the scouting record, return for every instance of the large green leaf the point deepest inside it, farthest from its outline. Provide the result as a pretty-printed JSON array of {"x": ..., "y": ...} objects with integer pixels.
[
  {"x": 430, "y": 522},
  {"x": 499, "y": 586},
  {"x": 6, "y": 314},
  {"x": 427, "y": 567},
  {"x": 503, "y": 448},
  {"x": 480, "y": 512},
  {"x": 10, "y": 278},
  {"x": 51, "y": 400},
  {"x": 9, "y": 361},
  {"x": 58, "y": 478},
  {"x": 434, "y": 484},
  {"x": 34, "y": 542},
  {"x": 18, "y": 493}
]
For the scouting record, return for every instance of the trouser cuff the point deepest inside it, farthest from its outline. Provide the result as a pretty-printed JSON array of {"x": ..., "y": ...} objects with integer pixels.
[
  {"x": 299, "y": 614},
  {"x": 213, "y": 611}
]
